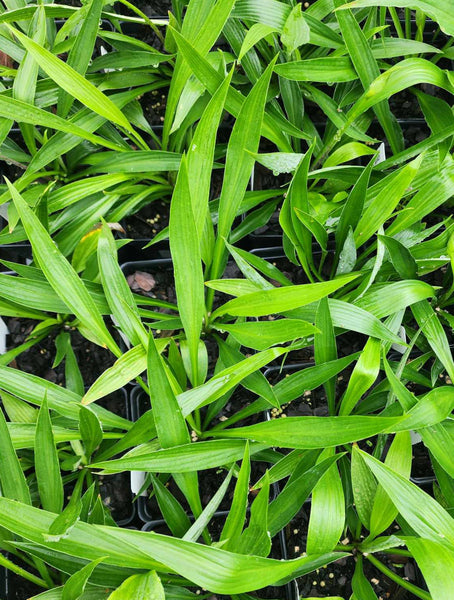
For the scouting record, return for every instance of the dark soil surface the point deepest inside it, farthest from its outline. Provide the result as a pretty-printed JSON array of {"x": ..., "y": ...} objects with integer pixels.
[
  {"x": 154, "y": 106},
  {"x": 148, "y": 221},
  {"x": 92, "y": 359}
]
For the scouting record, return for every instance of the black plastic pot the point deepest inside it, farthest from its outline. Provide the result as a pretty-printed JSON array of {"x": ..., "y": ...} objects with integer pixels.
[{"x": 291, "y": 588}]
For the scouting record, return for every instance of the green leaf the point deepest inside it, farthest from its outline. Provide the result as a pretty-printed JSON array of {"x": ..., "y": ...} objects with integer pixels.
[
  {"x": 361, "y": 587},
  {"x": 24, "y": 112},
  {"x": 239, "y": 162},
  {"x": 72, "y": 82},
  {"x": 138, "y": 161},
  {"x": 368, "y": 70},
  {"x": 226, "y": 379},
  {"x": 12, "y": 478},
  {"x": 180, "y": 459},
  {"x": 17, "y": 410},
  {"x": 327, "y": 517},
  {"x": 75, "y": 586},
  {"x": 212, "y": 568},
  {"x": 291, "y": 499},
  {"x": 315, "y": 227},
  {"x": 325, "y": 70},
  {"x": 348, "y": 255},
  {"x": 398, "y": 459},
  {"x": 187, "y": 264},
  {"x": 430, "y": 324},
  {"x": 140, "y": 587},
  {"x": 60, "y": 273},
  {"x": 289, "y": 388},
  {"x": 421, "y": 511},
  {"x": 117, "y": 290},
  {"x": 47, "y": 464},
  {"x": 353, "y": 207},
  {"x": 438, "y": 10},
  {"x": 172, "y": 511},
  {"x": 260, "y": 335},
  {"x": 364, "y": 375},
  {"x": 81, "y": 52},
  {"x": 256, "y": 33},
  {"x": 278, "y": 300},
  {"x": 90, "y": 430},
  {"x": 196, "y": 529},
  {"x": 24, "y": 86},
  {"x": 170, "y": 424},
  {"x": 256, "y": 539},
  {"x": 406, "y": 73},
  {"x": 364, "y": 487},
  {"x": 273, "y": 127},
  {"x": 325, "y": 349},
  {"x": 312, "y": 432},
  {"x": 296, "y": 31},
  {"x": 384, "y": 203},
  {"x": 436, "y": 563},
  {"x": 201, "y": 28},
  {"x": 401, "y": 258},
  {"x": 234, "y": 523},
  {"x": 200, "y": 162},
  {"x": 389, "y": 298},
  {"x": 439, "y": 116},
  {"x": 61, "y": 400}
]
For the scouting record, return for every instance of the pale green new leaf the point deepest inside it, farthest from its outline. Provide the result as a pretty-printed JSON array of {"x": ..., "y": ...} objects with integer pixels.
[
  {"x": 75, "y": 586},
  {"x": 295, "y": 31},
  {"x": 364, "y": 374},
  {"x": 47, "y": 464},
  {"x": 327, "y": 517},
  {"x": 257, "y": 32},
  {"x": 187, "y": 265},
  {"x": 140, "y": 587}
]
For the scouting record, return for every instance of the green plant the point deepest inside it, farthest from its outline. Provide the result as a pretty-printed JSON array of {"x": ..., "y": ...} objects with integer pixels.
[{"x": 363, "y": 293}]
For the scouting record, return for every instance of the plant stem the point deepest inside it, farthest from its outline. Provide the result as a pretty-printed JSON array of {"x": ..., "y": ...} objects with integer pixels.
[
  {"x": 397, "y": 579},
  {"x": 145, "y": 18},
  {"x": 4, "y": 562}
]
